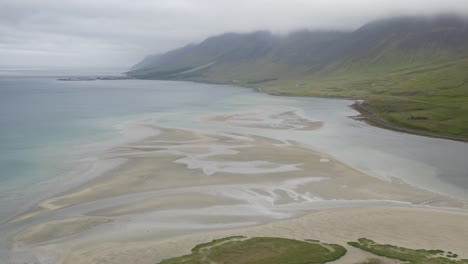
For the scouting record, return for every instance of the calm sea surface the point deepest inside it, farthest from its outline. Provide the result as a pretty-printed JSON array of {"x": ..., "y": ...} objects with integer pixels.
[{"x": 47, "y": 126}]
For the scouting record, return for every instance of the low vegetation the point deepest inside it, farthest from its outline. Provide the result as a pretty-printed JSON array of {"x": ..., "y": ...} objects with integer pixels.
[
  {"x": 261, "y": 250},
  {"x": 208, "y": 245},
  {"x": 427, "y": 99},
  {"x": 411, "y": 256},
  {"x": 372, "y": 261},
  {"x": 274, "y": 250}
]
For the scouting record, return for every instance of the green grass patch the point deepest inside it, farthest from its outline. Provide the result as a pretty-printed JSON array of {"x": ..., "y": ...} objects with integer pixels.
[
  {"x": 436, "y": 91},
  {"x": 412, "y": 256},
  {"x": 372, "y": 261},
  {"x": 261, "y": 250},
  {"x": 201, "y": 247}
]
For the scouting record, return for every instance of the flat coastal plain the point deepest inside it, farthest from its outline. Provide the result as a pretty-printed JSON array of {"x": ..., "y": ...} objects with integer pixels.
[{"x": 184, "y": 187}]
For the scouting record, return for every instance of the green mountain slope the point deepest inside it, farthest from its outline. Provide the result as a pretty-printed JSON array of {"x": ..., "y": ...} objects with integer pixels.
[
  {"x": 232, "y": 56},
  {"x": 412, "y": 72}
]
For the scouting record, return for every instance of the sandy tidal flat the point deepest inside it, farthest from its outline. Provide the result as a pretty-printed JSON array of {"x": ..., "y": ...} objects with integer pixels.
[
  {"x": 408, "y": 227},
  {"x": 184, "y": 182}
]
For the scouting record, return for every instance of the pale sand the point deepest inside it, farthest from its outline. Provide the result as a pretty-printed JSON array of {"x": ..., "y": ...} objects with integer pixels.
[
  {"x": 173, "y": 202},
  {"x": 288, "y": 120},
  {"x": 407, "y": 227},
  {"x": 57, "y": 229},
  {"x": 228, "y": 161},
  {"x": 182, "y": 182}
]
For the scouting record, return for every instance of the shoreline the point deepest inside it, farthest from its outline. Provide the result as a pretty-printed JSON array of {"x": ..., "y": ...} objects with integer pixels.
[
  {"x": 92, "y": 166},
  {"x": 220, "y": 201},
  {"x": 366, "y": 116},
  {"x": 205, "y": 181}
]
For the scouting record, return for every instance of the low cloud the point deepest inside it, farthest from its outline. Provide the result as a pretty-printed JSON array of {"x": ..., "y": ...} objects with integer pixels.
[{"x": 120, "y": 32}]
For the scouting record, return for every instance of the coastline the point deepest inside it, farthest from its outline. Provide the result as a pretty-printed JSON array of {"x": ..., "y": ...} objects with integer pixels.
[
  {"x": 236, "y": 173},
  {"x": 91, "y": 166},
  {"x": 201, "y": 185},
  {"x": 366, "y": 116},
  {"x": 84, "y": 170}
]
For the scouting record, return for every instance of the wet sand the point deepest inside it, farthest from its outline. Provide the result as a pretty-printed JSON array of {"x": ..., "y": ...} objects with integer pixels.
[
  {"x": 408, "y": 227},
  {"x": 281, "y": 120},
  {"x": 191, "y": 182},
  {"x": 57, "y": 229}
]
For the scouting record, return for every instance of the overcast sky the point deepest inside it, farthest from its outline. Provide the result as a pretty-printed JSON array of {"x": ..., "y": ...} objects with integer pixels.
[{"x": 102, "y": 33}]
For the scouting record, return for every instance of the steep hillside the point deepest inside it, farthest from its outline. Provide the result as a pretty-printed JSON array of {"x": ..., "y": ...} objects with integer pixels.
[
  {"x": 400, "y": 43},
  {"x": 411, "y": 71},
  {"x": 233, "y": 56}
]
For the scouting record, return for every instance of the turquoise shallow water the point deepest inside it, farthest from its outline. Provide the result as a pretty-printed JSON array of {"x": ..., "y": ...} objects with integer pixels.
[{"x": 47, "y": 125}]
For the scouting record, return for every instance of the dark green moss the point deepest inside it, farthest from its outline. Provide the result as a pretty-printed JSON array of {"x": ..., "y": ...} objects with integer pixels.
[
  {"x": 413, "y": 256},
  {"x": 261, "y": 250}
]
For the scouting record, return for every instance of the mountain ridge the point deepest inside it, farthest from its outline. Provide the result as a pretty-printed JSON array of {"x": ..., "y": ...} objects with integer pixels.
[{"x": 385, "y": 62}]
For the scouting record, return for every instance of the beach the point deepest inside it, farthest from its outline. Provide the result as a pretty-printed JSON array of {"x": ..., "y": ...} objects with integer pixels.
[
  {"x": 408, "y": 227},
  {"x": 231, "y": 161},
  {"x": 183, "y": 187}
]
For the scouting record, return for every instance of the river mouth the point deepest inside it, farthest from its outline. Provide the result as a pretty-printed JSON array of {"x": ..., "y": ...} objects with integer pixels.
[{"x": 247, "y": 159}]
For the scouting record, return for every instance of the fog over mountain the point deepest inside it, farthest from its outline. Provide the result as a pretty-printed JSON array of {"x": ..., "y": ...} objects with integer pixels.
[
  {"x": 388, "y": 44},
  {"x": 121, "y": 32}
]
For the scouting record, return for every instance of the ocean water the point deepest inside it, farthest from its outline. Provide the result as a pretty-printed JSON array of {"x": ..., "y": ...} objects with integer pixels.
[{"x": 47, "y": 126}]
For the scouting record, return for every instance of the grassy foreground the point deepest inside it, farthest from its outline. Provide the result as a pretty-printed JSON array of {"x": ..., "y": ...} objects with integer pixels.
[
  {"x": 274, "y": 250},
  {"x": 261, "y": 250},
  {"x": 412, "y": 256}
]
